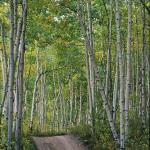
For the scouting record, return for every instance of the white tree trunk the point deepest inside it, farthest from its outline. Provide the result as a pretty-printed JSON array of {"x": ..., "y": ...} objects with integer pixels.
[
  {"x": 80, "y": 110},
  {"x": 5, "y": 75},
  {"x": 21, "y": 78},
  {"x": 11, "y": 76},
  {"x": 115, "y": 91},
  {"x": 128, "y": 74},
  {"x": 143, "y": 70},
  {"x": 108, "y": 68},
  {"x": 121, "y": 101}
]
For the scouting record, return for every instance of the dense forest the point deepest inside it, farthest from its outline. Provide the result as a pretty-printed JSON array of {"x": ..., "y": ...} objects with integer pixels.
[{"x": 78, "y": 67}]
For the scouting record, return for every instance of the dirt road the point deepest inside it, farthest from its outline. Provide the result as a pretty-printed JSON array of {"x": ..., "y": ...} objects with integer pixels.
[{"x": 65, "y": 142}]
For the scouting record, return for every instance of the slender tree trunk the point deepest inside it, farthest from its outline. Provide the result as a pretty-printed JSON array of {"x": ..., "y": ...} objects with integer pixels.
[
  {"x": 108, "y": 68},
  {"x": 148, "y": 88},
  {"x": 83, "y": 29},
  {"x": 44, "y": 100},
  {"x": 64, "y": 113},
  {"x": 17, "y": 39},
  {"x": 56, "y": 97},
  {"x": 137, "y": 60},
  {"x": 143, "y": 69},
  {"x": 4, "y": 55},
  {"x": 15, "y": 17},
  {"x": 60, "y": 104},
  {"x": 11, "y": 76},
  {"x": 5, "y": 72},
  {"x": 34, "y": 93},
  {"x": 75, "y": 112},
  {"x": 16, "y": 101},
  {"x": 21, "y": 78},
  {"x": 71, "y": 87},
  {"x": 91, "y": 64},
  {"x": 128, "y": 74},
  {"x": 21, "y": 97},
  {"x": 119, "y": 51},
  {"x": 25, "y": 108},
  {"x": 62, "y": 107},
  {"x": 54, "y": 103},
  {"x": 80, "y": 110},
  {"x": 115, "y": 91}
]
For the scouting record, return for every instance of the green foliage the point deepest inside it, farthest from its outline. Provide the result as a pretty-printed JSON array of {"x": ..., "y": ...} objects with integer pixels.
[
  {"x": 138, "y": 137},
  {"x": 3, "y": 136},
  {"x": 101, "y": 140},
  {"x": 84, "y": 131},
  {"x": 54, "y": 30}
]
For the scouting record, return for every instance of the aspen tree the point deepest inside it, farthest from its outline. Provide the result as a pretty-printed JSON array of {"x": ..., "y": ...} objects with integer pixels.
[
  {"x": 4, "y": 55},
  {"x": 4, "y": 72},
  {"x": 115, "y": 90},
  {"x": 15, "y": 4},
  {"x": 87, "y": 61},
  {"x": 100, "y": 86},
  {"x": 148, "y": 88},
  {"x": 55, "y": 105},
  {"x": 21, "y": 77},
  {"x": 143, "y": 69},
  {"x": 121, "y": 101},
  {"x": 128, "y": 74},
  {"x": 108, "y": 67},
  {"x": 17, "y": 40},
  {"x": 80, "y": 110},
  {"x": 16, "y": 100},
  {"x": 91, "y": 64},
  {"x": 42, "y": 100},
  {"x": 137, "y": 60},
  {"x": 34, "y": 93},
  {"x": 11, "y": 76},
  {"x": 60, "y": 105},
  {"x": 71, "y": 87}
]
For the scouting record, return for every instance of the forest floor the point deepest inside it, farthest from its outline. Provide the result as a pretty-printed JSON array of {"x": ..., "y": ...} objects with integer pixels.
[{"x": 63, "y": 142}]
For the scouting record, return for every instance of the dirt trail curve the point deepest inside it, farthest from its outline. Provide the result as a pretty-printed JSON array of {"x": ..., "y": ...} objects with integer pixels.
[{"x": 65, "y": 142}]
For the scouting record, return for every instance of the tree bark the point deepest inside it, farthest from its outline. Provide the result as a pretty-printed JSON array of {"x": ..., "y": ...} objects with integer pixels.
[
  {"x": 143, "y": 69},
  {"x": 5, "y": 73},
  {"x": 121, "y": 101},
  {"x": 80, "y": 110},
  {"x": 115, "y": 91},
  {"x": 11, "y": 76},
  {"x": 21, "y": 77},
  {"x": 128, "y": 74},
  {"x": 108, "y": 68}
]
